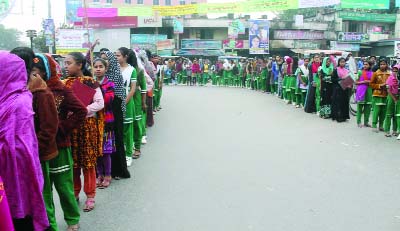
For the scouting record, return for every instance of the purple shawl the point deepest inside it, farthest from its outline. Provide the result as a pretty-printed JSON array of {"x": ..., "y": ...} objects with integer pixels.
[
  {"x": 362, "y": 88},
  {"x": 19, "y": 161}
]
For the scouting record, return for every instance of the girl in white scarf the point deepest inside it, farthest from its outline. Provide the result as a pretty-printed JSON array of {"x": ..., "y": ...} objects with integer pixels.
[{"x": 302, "y": 79}]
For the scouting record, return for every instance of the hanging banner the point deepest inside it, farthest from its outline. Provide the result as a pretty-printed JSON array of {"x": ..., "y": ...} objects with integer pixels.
[
  {"x": 72, "y": 40},
  {"x": 233, "y": 44},
  {"x": 200, "y": 44},
  {"x": 233, "y": 31},
  {"x": 219, "y": 8},
  {"x": 152, "y": 21},
  {"x": 248, "y": 6},
  {"x": 176, "y": 10},
  {"x": 352, "y": 37},
  {"x": 271, "y": 5},
  {"x": 397, "y": 49},
  {"x": 49, "y": 31},
  {"x": 258, "y": 37},
  {"x": 72, "y": 7},
  {"x": 238, "y": 23},
  {"x": 317, "y": 3},
  {"x": 147, "y": 38},
  {"x": 98, "y": 12},
  {"x": 135, "y": 11},
  {"x": 235, "y": 28},
  {"x": 178, "y": 26},
  {"x": 298, "y": 34},
  {"x": 369, "y": 17},
  {"x": 365, "y": 4}
]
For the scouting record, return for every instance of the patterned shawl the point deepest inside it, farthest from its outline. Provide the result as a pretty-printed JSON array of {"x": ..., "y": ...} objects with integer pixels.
[
  {"x": 107, "y": 88},
  {"x": 114, "y": 74}
]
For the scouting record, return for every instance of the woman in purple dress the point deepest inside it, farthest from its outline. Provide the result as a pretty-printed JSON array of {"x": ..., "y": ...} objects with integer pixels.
[{"x": 19, "y": 158}]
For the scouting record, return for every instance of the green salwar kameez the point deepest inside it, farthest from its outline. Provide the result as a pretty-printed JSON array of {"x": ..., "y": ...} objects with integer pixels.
[
  {"x": 392, "y": 115},
  {"x": 59, "y": 172},
  {"x": 129, "y": 118},
  {"x": 138, "y": 122}
]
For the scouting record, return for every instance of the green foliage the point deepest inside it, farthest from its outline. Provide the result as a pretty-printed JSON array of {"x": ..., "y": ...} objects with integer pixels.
[
  {"x": 9, "y": 38},
  {"x": 39, "y": 43}
]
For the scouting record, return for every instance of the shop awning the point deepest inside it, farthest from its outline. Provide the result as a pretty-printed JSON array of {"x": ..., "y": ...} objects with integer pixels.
[{"x": 193, "y": 52}]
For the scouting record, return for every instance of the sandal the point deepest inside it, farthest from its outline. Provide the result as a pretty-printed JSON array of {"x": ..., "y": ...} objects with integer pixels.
[
  {"x": 106, "y": 182},
  {"x": 99, "y": 181},
  {"x": 89, "y": 205},
  {"x": 136, "y": 155},
  {"x": 73, "y": 227}
]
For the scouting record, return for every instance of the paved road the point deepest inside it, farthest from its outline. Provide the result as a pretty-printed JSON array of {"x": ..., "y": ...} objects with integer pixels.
[{"x": 234, "y": 160}]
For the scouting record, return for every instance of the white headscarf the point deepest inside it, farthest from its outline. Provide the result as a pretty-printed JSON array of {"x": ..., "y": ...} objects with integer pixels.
[
  {"x": 141, "y": 55},
  {"x": 227, "y": 65}
]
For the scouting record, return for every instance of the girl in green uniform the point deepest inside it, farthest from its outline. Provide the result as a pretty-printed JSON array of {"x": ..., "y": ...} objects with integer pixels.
[
  {"x": 126, "y": 60},
  {"x": 302, "y": 73},
  {"x": 392, "y": 102},
  {"x": 364, "y": 94},
  {"x": 158, "y": 87},
  {"x": 206, "y": 68},
  {"x": 292, "y": 82},
  {"x": 226, "y": 72},
  {"x": 140, "y": 108},
  {"x": 317, "y": 82}
]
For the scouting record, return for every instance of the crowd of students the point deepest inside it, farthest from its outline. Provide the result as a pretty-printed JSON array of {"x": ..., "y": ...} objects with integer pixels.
[
  {"x": 322, "y": 84},
  {"x": 89, "y": 118}
]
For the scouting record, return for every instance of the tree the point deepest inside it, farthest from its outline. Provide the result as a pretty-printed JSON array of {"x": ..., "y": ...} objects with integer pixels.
[
  {"x": 9, "y": 38},
  {"x": 39, "y": 43}
]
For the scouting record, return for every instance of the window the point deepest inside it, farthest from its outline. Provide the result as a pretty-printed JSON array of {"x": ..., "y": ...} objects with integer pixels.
[
  {"x": 96, "y": 0},
  {"x": 356, "y": 27},
  {"x": 156, "y": 2},
  {"x": 128, "y": 1},
  {"x": 182, "y": 2},
  {"x": 167, "y": 2},
  {"x": 206, "y": 34},
  {"x": 140, "y": 2},
  {"x": 109, "y": 1}
]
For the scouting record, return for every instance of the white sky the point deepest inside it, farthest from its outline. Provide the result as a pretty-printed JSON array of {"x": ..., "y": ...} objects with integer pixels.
[{"x": 24, "y": 16}]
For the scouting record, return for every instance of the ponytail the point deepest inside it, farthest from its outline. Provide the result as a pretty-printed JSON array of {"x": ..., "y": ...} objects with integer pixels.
[{"x": 130, "y": 56}]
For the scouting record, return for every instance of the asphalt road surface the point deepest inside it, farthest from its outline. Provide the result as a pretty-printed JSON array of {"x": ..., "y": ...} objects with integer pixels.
[{"x": 226, "y": 159}]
